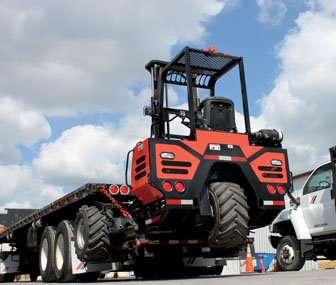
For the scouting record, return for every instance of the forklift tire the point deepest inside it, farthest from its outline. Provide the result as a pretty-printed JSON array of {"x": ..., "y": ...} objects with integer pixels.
[
  {"x": 288, "y": 254},
  {"x": 229, "y": 226},
  {"x": 47, "y": 255},
  {"x": 63, "y": 260},
  {"x": 92, "y": 241}
]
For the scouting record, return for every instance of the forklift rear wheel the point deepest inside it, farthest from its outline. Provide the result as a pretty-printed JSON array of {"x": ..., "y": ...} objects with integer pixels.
[
  {"x": 92, "y": 239},
  {"x": 229, "y": 225}
]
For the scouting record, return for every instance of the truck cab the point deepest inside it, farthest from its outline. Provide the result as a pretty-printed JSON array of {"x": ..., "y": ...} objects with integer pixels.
[
  {"x": 317, "y": 202},
  {"x": 306, "y": 228}
]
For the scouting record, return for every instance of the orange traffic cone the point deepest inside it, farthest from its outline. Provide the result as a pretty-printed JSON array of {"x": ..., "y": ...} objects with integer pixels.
[
  {"x": 249, "y": 261},
  {"x": 262, "y": 265}
]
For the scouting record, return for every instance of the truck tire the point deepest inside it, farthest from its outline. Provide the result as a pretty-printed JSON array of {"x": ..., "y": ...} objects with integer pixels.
[
  {"x": 47, "y": 255},
  {"x": 230, "y": 222},
  {"x": 288, "y": 254},
  {"x": 92, "y": 241},
  {"x": 63, "y": 261}
]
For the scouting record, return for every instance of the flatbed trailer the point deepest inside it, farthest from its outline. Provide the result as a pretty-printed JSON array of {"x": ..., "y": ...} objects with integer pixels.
[{"x": 22, "y": 251}]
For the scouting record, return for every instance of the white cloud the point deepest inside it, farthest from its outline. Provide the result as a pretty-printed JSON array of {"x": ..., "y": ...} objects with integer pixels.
[
  {"x": 91, "y": 153},
  {"x": 87, "y": 60},
  {"x": 271, "y": 11},
  {"x": 88, "y": 154},
  {"x": 20, "y": 124},
  {"x": 20, "y": 188},
  {"x": 303, "y": 99}
]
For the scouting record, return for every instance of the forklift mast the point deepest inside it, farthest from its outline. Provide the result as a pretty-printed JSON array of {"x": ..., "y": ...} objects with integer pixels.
[{"x": 194, "y": 69}]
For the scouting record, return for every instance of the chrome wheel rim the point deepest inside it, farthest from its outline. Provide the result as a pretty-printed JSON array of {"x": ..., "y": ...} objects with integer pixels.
[{"x": 80, "y": 237}]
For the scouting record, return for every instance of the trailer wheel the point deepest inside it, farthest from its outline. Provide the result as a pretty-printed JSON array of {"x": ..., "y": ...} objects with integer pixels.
[
  {"x": 288, "y": 254},
  {"x": 47, "y": 255},
  {"x": 63, "y": 268},
  {"x": 229, "y": 226},
  {"x": 92, "y": 239}
]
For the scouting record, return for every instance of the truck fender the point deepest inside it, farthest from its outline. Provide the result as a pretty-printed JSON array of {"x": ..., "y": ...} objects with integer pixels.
[
  {"x": 295, "y": 217},
  {"x": 299, "y": 224},
  {"x": 282, "y": 217}
]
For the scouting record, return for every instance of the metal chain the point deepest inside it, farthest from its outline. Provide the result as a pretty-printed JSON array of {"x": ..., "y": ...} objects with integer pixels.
[{"x": 126, "y": 214}]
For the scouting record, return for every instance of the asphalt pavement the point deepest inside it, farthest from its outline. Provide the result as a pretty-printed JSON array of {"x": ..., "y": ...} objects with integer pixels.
[{"x": 320, "y": 277}]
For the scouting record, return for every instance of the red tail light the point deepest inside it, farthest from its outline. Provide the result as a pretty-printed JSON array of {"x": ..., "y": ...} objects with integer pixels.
[
  {"x": 114, "y": 189},
  {"x": 179, "y": 186},
  {"x": 167, "y": 186},
  {"x": 124, "y": 190},
  {"x": 281, "y": 189},
  {"x": 271, "y": 189}
]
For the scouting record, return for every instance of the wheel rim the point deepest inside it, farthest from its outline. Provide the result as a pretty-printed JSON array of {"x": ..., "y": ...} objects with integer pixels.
[
  {"x": 287, "y": 254},
  {"x": 44, "y": 254},
  {"x": 80, "y": 237},
  {"x": 59, "y": 256}
]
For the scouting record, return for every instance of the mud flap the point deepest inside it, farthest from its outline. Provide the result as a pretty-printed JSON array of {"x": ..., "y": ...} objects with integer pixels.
[{"x": 79, "y": 267}]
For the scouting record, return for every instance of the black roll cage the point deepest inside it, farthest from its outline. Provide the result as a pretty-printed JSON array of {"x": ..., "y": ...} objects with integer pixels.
[{"x": 193, "y": 68}]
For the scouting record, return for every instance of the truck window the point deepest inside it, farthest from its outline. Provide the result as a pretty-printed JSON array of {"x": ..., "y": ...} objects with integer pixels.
[{"x": 320, "y": 179}]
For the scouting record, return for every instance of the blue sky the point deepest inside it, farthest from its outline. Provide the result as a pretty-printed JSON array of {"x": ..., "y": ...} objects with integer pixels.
[{"x": 72, "y": 91}]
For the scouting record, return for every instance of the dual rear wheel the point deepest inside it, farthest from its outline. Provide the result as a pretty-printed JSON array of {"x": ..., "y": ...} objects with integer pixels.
[{"x": 55, "y": 259}]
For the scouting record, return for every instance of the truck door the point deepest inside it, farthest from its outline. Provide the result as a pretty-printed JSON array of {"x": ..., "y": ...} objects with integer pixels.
[{"x": 317, "y": 203}]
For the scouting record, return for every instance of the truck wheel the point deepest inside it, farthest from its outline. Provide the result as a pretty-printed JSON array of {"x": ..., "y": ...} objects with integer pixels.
[
  {"x": 63, "y": 268},
  {"x": 92, "y": 239},
  {"x": 288, "y": 254},
  {"x": 47, "y": 255},
  {"x": 230, "y": 223}
]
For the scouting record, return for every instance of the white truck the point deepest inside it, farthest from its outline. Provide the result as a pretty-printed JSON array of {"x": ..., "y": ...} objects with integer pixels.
[{"x": 306, "y": 228}]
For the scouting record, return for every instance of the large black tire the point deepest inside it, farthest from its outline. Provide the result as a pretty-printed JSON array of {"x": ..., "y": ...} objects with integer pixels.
[
  {"x": 92, "y": 241},
  {"x": 63, "y": 268},
  {"x": 230, "y": 222},
  {"x": 288, "y": 254},
  {"x": 47, "y": 255}
]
